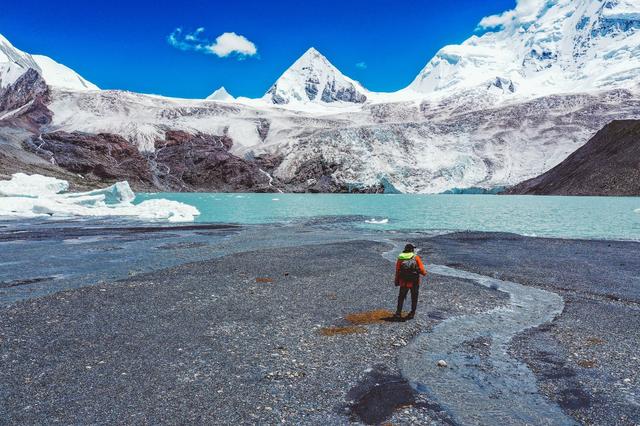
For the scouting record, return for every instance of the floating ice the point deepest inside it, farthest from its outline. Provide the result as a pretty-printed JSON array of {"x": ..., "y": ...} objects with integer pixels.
[
  {"x": 22, "y": 185},
  {"x": 377, "y": 222},
  {"x": 42, "y": 196}
]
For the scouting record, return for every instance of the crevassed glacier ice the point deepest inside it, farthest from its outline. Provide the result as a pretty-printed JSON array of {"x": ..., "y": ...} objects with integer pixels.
[{"x": 41, "y": 196}]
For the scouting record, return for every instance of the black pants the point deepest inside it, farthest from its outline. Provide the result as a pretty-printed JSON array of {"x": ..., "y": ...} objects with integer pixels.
[{"x": 414, "y": 297}]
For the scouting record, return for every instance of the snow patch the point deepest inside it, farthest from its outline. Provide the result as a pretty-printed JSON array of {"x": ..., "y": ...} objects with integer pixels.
[{"x": 41, "y": 196}]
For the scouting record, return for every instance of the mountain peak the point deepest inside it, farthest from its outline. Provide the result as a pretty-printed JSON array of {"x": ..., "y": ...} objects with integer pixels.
[
  {"x": 312, "y": 78},
  {"x": 220, "y": 95},
  {"x": 312, "y": 51},
  {"x": 547, "y": 47},
  {"x": 14, "y": 63}
]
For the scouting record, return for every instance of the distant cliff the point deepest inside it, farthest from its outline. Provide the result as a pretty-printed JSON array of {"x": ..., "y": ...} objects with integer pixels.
[{"x": 609, "y": 164}]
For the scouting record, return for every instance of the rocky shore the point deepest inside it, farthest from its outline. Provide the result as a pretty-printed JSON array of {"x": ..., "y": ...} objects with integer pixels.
[
  {"x": 301, "y": 335},
  {"x": 586, "y": 360}
]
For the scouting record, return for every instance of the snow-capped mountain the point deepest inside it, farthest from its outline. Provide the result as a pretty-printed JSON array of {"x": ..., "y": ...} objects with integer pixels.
[
  {"x": 498, "y": 109},
  {"x": 312, "y": 78},
  {"x": 542, "y": 48},
  {"x": 220, "y": 94},
  {"x": 14, "y": 63}
]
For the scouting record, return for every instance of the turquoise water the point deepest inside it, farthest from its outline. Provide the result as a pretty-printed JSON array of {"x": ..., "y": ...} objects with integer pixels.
[{"x": 569, "y": 217}]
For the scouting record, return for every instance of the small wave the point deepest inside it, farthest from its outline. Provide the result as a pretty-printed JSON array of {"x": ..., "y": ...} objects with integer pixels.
[
  {"x": 637, "y": 210},
  {"x": 377, "y": 221},
  {"x": 275, "y": 199}
]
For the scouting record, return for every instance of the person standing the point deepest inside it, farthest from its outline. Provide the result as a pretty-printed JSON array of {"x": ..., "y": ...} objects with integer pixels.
[{"x": 409, "y": 267}]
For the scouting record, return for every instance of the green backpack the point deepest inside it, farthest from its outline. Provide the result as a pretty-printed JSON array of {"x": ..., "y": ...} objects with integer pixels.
[{"x": 409, "y": 270}]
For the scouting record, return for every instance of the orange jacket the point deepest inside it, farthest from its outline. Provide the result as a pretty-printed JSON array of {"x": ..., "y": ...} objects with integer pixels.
[{"x": 409, "y": 283}]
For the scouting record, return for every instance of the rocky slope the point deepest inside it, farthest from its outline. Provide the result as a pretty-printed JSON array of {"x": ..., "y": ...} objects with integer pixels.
[{"x": 609, "y": 164}]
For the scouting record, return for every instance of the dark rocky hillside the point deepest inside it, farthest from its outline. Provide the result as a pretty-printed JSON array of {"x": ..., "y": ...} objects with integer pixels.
[{"x": 609, "y": 164}]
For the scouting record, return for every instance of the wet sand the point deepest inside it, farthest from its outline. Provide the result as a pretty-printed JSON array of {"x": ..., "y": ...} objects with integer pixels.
[{"x": 242, "y": 338}]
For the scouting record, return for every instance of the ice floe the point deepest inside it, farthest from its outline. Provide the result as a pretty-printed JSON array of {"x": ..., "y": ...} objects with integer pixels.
[
  {"x": 377, "y": 221},
  {"x": 41, "y": 196}
]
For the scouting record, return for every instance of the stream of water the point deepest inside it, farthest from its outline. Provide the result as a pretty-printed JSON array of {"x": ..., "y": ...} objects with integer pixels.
[{"x": 489, "y": 388}]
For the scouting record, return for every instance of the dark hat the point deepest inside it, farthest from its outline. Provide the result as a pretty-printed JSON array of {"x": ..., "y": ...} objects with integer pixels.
[{"x": 409, "y": 247}]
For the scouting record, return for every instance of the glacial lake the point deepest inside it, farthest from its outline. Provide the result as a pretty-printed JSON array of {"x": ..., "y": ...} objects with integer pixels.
[
  {"x": 40, "y": 256},
  {"x": 542, "y": 216}
]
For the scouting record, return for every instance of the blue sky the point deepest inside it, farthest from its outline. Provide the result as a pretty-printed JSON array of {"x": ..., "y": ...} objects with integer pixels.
[{"x": 123, "y": 44}]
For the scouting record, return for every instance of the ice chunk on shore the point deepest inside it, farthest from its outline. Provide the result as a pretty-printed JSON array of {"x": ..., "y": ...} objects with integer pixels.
[
  {"x": 23, "y": 185},
  {"x": 42, "y": 196}
]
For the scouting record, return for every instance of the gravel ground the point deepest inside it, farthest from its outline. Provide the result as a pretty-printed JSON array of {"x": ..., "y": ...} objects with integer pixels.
[
  {"x": 233, "y": 340},
  {"x": 587, "y": 360}
]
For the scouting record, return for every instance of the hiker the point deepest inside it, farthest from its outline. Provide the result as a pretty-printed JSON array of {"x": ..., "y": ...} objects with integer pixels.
[{"x": 409, "y": 267}]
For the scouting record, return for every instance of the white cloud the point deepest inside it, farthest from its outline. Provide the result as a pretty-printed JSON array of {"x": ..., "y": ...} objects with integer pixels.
[
  {"x": 228, "y": 43},
  {"x": 225, "y": 44},
  {"x": 194, "y": 36},
  {"x": 361, "y": 65},
  {"x": 524, "y": 11}
]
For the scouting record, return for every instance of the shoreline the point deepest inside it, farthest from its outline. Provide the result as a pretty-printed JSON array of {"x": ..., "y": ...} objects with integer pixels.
[
  {"x": 192, "y": 242},
  {"x": 203, "y": 304}
]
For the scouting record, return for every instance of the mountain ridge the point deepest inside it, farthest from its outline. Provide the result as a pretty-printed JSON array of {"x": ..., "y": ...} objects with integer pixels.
[
  {"x": 325, "y": 132},
  {"x": 555, "y": 47},
  {"x": 14, "y": 63}
]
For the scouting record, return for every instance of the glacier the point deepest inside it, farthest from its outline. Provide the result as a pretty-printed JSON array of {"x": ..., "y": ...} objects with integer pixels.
[{"x": 28, "y": 196}]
